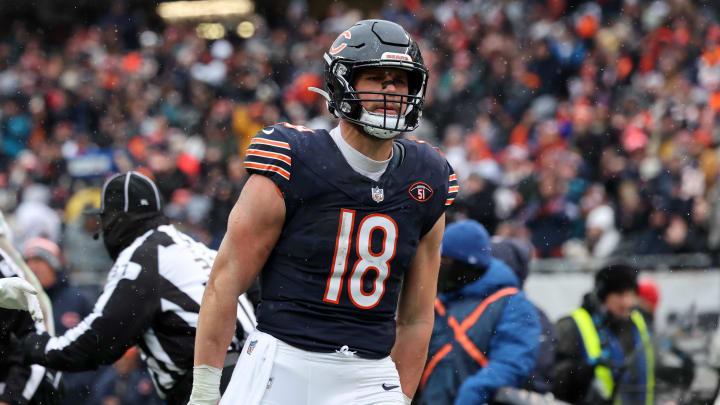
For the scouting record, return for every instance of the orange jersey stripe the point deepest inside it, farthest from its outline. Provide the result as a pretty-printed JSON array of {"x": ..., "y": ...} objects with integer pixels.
[
  {"x": 270, "y": 142},
  {"x": 272, "y": 155},
  {"x": 271, "y": 168},
  {"x": 453, "y": 189},
  {"x": 453, "y": 177},
  {"x": 449, "y": 201}
]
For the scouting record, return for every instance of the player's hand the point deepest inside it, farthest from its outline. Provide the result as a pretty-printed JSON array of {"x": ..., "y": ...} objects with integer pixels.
[{"x": 16, "y": 293}]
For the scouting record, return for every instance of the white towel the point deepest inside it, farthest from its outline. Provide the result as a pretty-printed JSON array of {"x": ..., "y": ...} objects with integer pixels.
[{"x": 252, "y": 371}]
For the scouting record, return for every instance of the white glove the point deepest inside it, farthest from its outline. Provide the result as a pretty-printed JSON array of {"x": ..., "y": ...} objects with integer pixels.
[
  {"x": 16, "y": 293},
  {"x": 206, "y": 385}
]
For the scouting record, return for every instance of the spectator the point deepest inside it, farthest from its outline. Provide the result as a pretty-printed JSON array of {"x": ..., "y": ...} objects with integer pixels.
[
  {"x": 648, "y": 298},
  {"x": 602, "y": 236},
  {"x": 517, "y": 254},
  {"x": 486, "y": 333},
  {"x": 548, "y": 217},
  {"x": 601, "y": 240},
  {"x": 478, "y": 201},
  {"x": 125, "y": 383},
  {"x": 673, "y": 367},
  {"x": 35, "y": 218},
  {"x": 631, "y": 90},
  {"x": 84, "y": 248},
  {"x": 70, "y": 306}
]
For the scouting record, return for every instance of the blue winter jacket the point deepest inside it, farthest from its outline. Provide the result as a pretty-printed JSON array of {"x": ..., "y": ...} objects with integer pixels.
[{"x": 513, "y": 343}]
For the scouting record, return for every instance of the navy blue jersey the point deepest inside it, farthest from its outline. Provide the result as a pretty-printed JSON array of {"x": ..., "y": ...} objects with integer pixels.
[{"x": 335, "y": 274}]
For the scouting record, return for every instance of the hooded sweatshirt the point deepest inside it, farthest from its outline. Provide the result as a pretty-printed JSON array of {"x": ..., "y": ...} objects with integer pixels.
[{"x": 513, "y": 342}]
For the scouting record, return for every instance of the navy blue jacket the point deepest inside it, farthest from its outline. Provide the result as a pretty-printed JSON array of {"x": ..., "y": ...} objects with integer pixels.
[
  {"x": 70, "y": 306},
  {"x": 135, "y": 388},
  {"x": 507, "y": 333}
]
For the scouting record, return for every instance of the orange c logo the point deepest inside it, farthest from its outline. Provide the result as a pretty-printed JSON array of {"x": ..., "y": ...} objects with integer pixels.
[{"x": 336, "y": 49}]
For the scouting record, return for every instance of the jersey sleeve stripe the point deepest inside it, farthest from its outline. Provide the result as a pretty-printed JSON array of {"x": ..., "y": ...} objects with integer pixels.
[
  {"x": 268, "y": 168},
  {"x": 270, "y": 142},
  {"x": 453, "y": 189},
  {"x": 270, "y": 155}
]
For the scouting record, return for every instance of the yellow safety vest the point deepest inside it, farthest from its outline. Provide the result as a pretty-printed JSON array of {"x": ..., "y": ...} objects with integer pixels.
[{"x": 591, "y": 340}]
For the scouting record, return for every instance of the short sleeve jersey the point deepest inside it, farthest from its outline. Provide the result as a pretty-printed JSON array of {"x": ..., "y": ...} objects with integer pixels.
[{"x": 334, "y": 276}]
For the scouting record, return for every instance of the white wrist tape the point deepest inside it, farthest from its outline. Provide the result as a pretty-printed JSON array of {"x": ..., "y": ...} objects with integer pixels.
[
  {"x": 206, "y": 385},
  {"x": 407, "y": 399}
]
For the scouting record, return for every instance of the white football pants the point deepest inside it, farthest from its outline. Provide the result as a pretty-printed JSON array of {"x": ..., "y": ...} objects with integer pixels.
[{"x": 291, "y": 376}]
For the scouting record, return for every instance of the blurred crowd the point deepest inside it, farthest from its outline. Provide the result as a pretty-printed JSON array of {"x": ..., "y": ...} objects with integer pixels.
[{"x": 589, "y": 128}]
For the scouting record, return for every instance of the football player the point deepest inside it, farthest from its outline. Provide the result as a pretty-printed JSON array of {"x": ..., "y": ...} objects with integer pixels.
[
  {"x": 20, "y": 315},
  {"x": 344, "y": 228}
]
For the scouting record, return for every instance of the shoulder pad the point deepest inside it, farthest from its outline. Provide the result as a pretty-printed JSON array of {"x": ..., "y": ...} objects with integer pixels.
[
  {"x": 430, "y": 154},
  {"x": 288, "y": 128},
  {"x": 271, "y": 151}
]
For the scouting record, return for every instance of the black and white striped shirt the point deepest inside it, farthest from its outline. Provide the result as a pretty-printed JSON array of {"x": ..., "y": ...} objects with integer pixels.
[
  {"x": 19, "y": 382},
  {"x": 152, "y": 299}
]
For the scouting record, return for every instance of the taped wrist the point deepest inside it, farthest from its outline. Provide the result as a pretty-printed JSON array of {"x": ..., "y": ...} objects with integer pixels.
[{"x": 206, "y": 385}]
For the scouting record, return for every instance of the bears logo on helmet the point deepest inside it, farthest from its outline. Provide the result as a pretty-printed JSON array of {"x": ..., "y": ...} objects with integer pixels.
[{"x": 374, "y": 43}]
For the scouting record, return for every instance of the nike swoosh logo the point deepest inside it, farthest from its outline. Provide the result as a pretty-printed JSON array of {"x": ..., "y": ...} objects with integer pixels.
[
  {"x": 269, "y": 131},
  {"x": 387, "y": 387}
]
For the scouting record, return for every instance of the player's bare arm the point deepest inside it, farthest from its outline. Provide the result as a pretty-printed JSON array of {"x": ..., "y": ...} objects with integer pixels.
[
  {"x": 415, "y": 311},
  {"x": 254, "y": 225}
]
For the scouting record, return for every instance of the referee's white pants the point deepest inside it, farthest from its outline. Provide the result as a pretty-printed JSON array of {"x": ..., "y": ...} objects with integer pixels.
[{"x": 271, "y": 372}]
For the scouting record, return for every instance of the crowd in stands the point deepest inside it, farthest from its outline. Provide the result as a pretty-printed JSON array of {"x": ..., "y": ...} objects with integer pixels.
[{"x": 589, "y": 128}]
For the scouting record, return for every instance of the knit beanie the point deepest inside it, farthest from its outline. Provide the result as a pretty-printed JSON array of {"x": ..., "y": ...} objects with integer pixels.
[
  {"x": 615, "y": 278},
  {"x": 468, "y": 242},
  {"x": 43, "y": 249},
  {"x": 515, "y": 253}
]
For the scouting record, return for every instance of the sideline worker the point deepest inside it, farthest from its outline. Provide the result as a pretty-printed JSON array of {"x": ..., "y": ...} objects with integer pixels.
[
  {"x": 486, "y": 333},
  {"x": 605, "y": 353}
]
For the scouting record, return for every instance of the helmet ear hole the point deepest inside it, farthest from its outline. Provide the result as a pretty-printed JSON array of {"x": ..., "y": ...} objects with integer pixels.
[{"x": 415, "y": 82}]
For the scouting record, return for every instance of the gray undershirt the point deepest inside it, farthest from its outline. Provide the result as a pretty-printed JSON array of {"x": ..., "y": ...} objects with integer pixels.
[{"x": 360, "y": 163}]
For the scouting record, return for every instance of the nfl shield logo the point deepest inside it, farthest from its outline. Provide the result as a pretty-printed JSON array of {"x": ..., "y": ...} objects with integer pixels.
[
  {"x": 377, "y": 194},
  {"x": 251, "y": 347}
]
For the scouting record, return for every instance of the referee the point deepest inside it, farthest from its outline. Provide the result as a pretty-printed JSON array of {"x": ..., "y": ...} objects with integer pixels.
[{"x": 151, "y": 298}]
